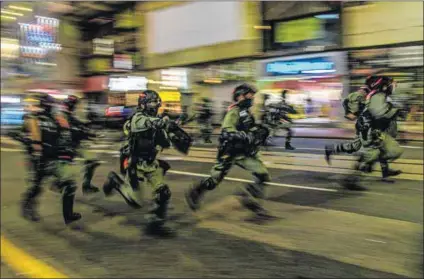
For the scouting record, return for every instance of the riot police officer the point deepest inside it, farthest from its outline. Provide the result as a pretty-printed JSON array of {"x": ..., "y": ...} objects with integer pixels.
[
  {"x": 354, "y": 105},
  {"x": 276, "y": 117},
  {"x": 81, "y": 132},
  {"x": 51, "y": 140},
  {"x": 377, "y": 127},
  {"x": 147, "y": 136},
  {"x": 238, "y": 145},
  {"x": 204, "y": 119}
]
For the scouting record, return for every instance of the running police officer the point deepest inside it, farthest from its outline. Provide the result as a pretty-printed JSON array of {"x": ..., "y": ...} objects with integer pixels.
[
  {"x": 51, "y": 140},
  {"x": 147, "y": 136},
  {"x": 81, "y": 132},
  {"x": 238, "y": 145}
]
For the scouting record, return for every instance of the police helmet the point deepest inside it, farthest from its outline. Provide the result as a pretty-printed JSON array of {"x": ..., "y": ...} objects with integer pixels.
[
  {"x": 46, "y": 101},
  {"x": 380, "y": 83},
  {"x": 243, "y": 89},
  {"x": 71, "y": 102},
  {"x": 149, "y": 101}
]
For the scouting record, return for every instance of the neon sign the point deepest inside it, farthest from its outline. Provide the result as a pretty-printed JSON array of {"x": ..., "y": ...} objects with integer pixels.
[{"x": 301, "y": 66}]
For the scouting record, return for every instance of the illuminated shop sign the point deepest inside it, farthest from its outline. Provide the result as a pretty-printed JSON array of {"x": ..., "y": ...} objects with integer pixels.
[
  {"x": 170, "y": 96},
  {"x": 174, "y": 78},
  {"x": 301, "y": 66},
  {"x": 123, "y": 61},
  {"x": 10, "y": 100},
  {"x": 127, "y": 83}
]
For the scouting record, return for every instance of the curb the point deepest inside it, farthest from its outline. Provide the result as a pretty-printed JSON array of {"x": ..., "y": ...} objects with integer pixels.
[{"x": 25, "y": 264}]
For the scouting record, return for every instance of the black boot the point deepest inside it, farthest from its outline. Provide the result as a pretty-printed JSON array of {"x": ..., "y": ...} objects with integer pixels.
[
  {"x": 329, "y": 150},
  {"x": 289, "y": 146},
  {"x": 195, "y": 194},
  {"x": 158, "y": 214},
  {"x": 68, "y": 197},
  {"x": 29, "y": 212},
  {"x": 114, "y": 182},
  {"x": 29, "y": 204},
  {"x": 386, "y": 172},
  {"x": 249, "y": 198},
  {"x": 87, "y": 187}
]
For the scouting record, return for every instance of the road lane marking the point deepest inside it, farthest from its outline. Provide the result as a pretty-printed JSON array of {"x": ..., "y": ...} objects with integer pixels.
[
  {"x": 25, "y": 264},
  {"x": 250, "y": 181},
  {"x": 415, "y": 177},
  {"x": 322, "y": 149},
  {"x": 377, "y": 241},
  {"x": 284, "y": 165}
]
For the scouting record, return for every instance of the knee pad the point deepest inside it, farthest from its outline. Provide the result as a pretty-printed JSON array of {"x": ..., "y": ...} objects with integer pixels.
[
  {"x": 262, "y": 177},
  {"x": 209, "y": 183},
  {"x": 162, "y": 194},
  {"x": 69, "y": 188}
]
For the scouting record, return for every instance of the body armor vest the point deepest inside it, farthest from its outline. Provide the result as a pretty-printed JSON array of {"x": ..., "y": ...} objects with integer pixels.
[
  {"x": 246, "y": 121},
  {"x": 49, "y": 130}
]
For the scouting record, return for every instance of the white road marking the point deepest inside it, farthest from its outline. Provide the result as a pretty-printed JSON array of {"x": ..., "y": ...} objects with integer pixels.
[
  {"x": 250, "y": 181},
  {"x": 322, "y": 149},
  {"x": 412, "y": 147},
  {"x": 372, "y": 240}
]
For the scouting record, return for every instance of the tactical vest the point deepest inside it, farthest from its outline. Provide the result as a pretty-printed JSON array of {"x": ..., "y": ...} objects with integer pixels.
[
  {"x": 142, "y": 144},
  {"x": 49, "y": 130},
  {"x": 246, "y": 121}
]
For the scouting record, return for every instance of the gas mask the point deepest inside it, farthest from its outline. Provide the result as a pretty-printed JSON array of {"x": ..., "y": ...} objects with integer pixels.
[
  {"x": 246, "y": 103},
  {"x": 152, "y": 108}
]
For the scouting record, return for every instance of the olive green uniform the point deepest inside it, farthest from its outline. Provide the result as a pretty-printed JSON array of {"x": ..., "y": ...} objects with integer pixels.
[
  {"x": 90, "y": 159},
  {"x": 147, "y": 137},
  {"x": 55, "y": 160},
  {"x": 238, "y": 125},
  {"x": 204, "y": 119},
  {"x": 379, "y": 140},
  {"x": 224, "y": 163}
]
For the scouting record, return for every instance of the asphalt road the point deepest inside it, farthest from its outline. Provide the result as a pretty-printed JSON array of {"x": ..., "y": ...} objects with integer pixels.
[{"x": 321, "y": 230}]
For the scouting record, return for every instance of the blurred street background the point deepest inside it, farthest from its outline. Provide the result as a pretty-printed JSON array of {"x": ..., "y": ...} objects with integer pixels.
[{"x": 107, "y": 52}]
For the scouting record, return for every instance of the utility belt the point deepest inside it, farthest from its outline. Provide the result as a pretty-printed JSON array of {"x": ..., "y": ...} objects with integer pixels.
[
  {"x": 236, "y": 149},
  {"x": 234, "y": 146}
]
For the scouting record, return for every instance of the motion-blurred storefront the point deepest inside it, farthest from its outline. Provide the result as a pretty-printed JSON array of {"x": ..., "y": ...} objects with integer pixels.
[
  {"x": 302, "y": 42},
  {"x": 386, "y": 38},
  {"x": 220, "y": 79},
  {"x": 404, "y": 64},
  {"x": 314, "y": 81}
]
